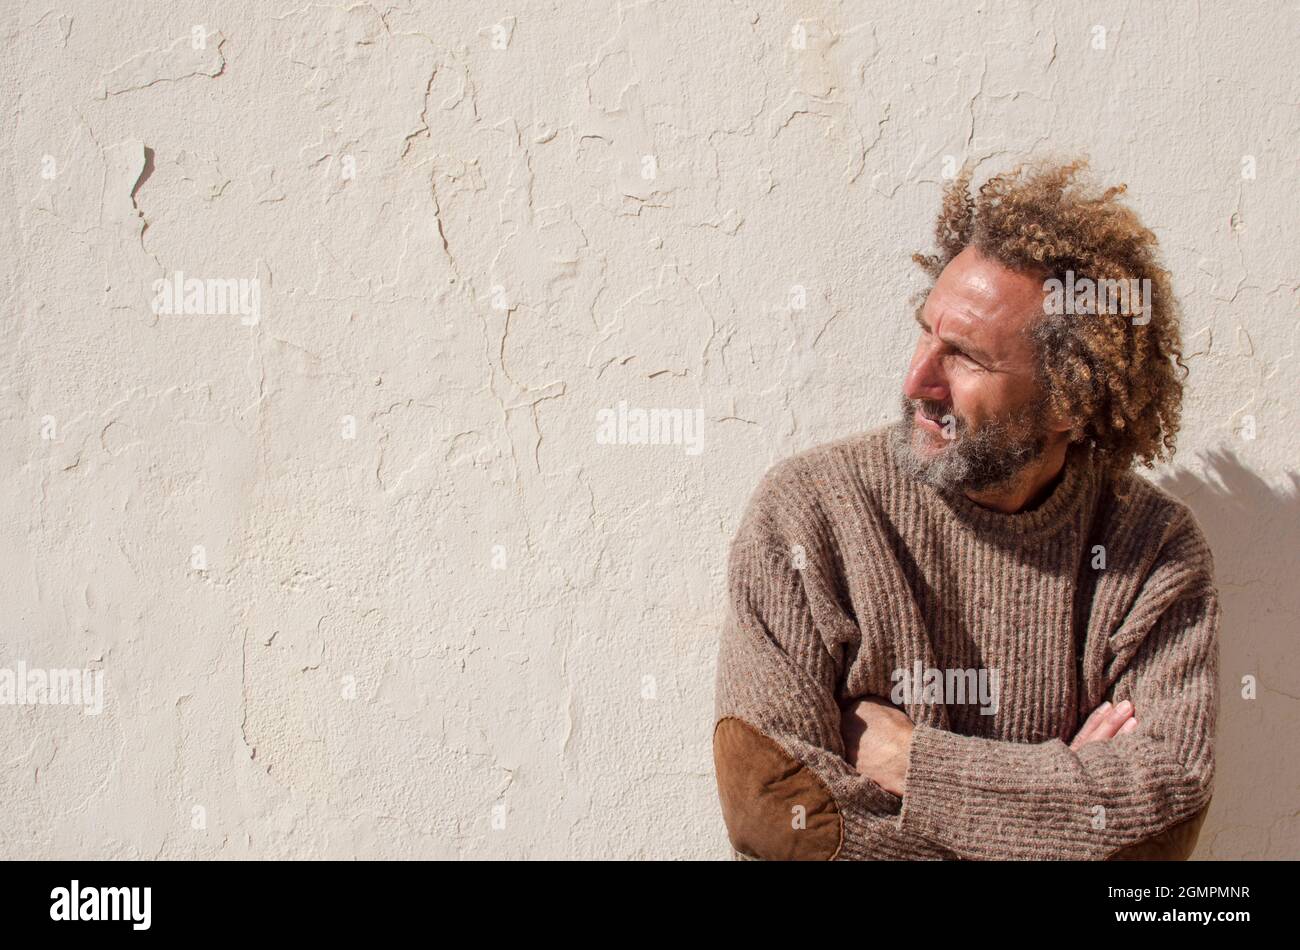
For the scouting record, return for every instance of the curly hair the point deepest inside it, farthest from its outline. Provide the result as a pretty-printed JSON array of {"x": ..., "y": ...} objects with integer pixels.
[{"x": 1113, "y": 379}]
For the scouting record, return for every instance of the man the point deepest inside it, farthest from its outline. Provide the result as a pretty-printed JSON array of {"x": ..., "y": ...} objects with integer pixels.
[{"x": 977, "y": 633}]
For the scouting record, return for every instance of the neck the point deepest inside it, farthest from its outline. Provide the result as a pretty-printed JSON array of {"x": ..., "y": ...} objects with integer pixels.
[{"x": 1031, "y": 487}]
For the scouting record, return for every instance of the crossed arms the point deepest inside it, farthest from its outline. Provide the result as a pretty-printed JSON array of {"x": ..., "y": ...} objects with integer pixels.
[{"x": 790, "y": 789}]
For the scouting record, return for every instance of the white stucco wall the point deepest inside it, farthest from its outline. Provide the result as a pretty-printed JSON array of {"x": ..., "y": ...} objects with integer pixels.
[{"x": 472, "y": 629}]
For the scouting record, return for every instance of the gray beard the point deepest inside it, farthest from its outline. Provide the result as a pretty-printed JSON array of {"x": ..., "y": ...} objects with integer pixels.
[{"x": 994, "y": 456}]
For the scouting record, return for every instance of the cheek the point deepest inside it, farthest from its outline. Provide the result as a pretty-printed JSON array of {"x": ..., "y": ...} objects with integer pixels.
[
  {"x": 967, "y": 399},
  {"x": 976, "y": 398}
]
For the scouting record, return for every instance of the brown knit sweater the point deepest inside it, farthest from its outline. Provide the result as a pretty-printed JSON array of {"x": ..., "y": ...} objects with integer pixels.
[{"x": 847, "y": 577}]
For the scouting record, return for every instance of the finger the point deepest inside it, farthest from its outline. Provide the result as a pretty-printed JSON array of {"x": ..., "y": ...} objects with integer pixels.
[
  {"x": 882, "y": 710},
  {"x": 1120, "y": 713},
  {"x": 858, "y": 704},
  {"x": 851, "y": 707},
  {"x": 1130, "y": 726},
  {"x": 852, "y": 729},
  {"x": 1108, "y": 724},
  {"x": 1097, "y": 716},
  {"x": 851, "y": 722},
  {"x": 1113, "y": 721}
]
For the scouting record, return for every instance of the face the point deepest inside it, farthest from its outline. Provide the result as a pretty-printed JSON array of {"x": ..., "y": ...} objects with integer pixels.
[{"x": 974, "y": 414}]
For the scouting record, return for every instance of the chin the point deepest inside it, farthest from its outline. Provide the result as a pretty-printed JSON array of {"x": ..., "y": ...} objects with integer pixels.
[{"x": 928, "y": 443}]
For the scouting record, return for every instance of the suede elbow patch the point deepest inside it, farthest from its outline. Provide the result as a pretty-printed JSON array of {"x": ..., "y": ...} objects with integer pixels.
[
  {"x": 1173, "y": 844},
  {"x": 775, "y": 807}
]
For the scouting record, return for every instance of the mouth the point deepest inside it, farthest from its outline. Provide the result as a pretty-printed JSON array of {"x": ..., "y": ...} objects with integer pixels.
[{"x": 925, "y": 422}]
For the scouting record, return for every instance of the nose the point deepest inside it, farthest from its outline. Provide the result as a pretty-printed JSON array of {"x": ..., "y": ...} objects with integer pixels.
[{"x": 925, "y": 378}]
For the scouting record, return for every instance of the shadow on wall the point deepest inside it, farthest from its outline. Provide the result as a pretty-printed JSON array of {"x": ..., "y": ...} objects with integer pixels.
[{"x": 1252, "y": 528}]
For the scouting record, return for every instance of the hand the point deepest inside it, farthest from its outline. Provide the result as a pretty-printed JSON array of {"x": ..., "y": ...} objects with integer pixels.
[
  {"x": 877, "y": 740},
  {"x": 1106, "y": 721}
]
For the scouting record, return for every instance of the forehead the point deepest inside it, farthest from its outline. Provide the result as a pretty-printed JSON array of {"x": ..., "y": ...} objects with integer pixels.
[{"x": 978, "y": 301}]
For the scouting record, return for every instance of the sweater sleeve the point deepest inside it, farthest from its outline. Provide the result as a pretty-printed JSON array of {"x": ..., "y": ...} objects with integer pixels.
[
  {"x": 987, "y": 799},
  {"x": 786, "y": 791}
]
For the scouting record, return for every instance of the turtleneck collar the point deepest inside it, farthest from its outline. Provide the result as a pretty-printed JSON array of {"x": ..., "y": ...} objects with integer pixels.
[{"x": 1078, "y": 479}]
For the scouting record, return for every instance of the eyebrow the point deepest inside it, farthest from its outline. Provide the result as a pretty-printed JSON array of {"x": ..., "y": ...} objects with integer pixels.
[{"x": 963, "y": 346}]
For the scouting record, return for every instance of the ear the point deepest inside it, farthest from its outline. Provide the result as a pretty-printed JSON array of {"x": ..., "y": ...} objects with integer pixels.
[{"x": 1057, "y": 421}]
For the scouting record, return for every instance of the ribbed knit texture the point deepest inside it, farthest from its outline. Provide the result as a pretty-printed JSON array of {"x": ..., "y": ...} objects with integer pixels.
[{"x": 845, "y": 569}]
